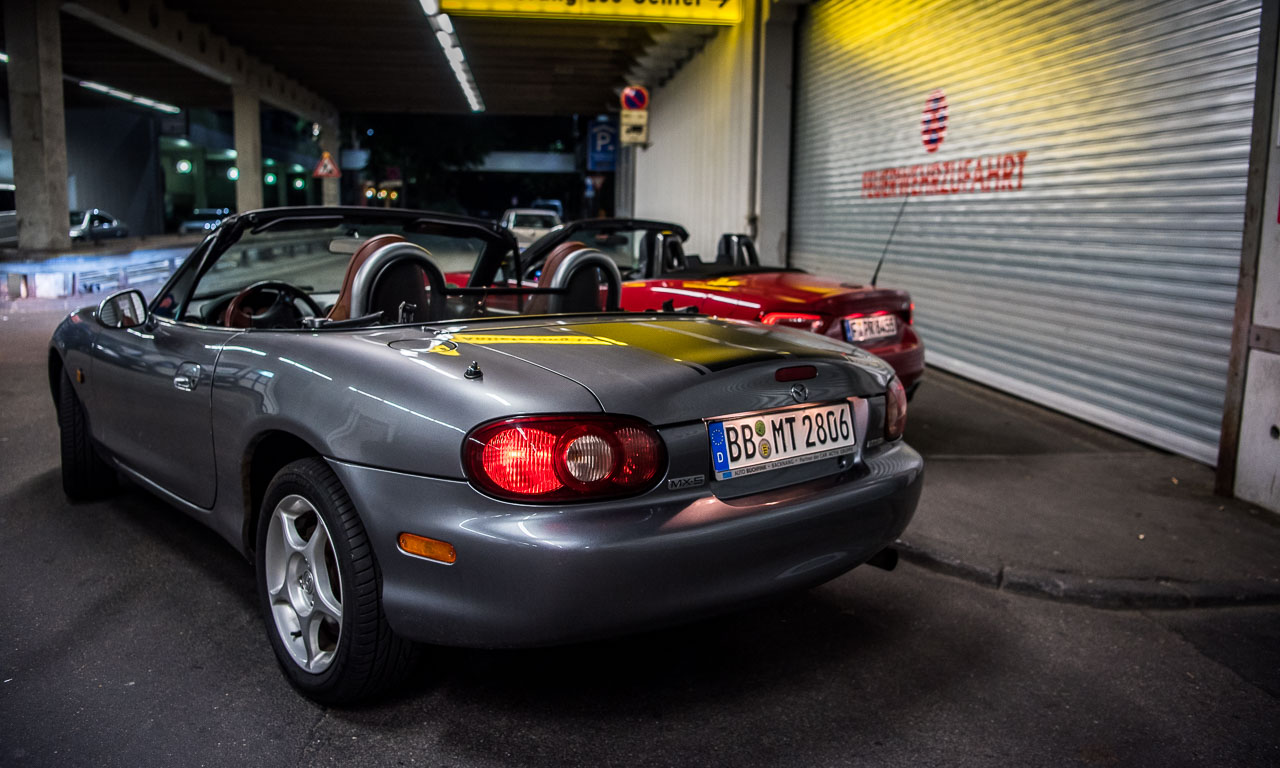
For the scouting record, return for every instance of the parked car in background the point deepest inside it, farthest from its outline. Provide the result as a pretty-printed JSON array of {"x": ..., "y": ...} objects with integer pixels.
[
  {"x": 547, "y": 204},
  {"x": 96, "y": 224},
  {"x": 529, "y": 224},
  {"x": 404, "y": 463},
  {"x": 657, "y": 273},
  {"x": 203, "y": 221}
]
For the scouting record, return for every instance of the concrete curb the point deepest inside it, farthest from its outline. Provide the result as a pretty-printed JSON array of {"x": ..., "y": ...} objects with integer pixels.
[{"x": 1098, "y": 592}]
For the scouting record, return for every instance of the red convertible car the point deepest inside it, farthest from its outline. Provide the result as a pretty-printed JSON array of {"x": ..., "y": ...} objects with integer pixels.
[{"x": 658, "y": 274}]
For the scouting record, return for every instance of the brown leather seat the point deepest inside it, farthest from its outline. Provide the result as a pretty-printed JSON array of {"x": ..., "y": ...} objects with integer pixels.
[
  {"x": 539, "y": 304},
  {"x": 342, "y": 307}
]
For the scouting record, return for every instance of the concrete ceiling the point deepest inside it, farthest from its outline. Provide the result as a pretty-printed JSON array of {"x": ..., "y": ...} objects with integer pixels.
[
  {"x": 91, "y": 53},
  {"x": 381, "y": 55}
]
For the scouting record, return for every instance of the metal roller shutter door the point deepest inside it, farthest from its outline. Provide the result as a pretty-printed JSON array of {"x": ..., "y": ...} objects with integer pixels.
[{"x": 1105, "y": 285}]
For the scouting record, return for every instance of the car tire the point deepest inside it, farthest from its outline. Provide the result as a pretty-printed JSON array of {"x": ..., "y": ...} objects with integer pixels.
[
  {"x": 85, "y": 476},
  {"x": 332, "y": 640}
]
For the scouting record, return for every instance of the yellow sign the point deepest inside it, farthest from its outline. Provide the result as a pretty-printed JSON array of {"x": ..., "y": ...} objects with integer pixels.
[
  {"x": 635, "y": 126},
  {"x": 663, "y": 11}
]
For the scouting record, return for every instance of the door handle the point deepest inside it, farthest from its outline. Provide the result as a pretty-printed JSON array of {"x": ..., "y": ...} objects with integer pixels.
[{"x": 187, "y": 377}]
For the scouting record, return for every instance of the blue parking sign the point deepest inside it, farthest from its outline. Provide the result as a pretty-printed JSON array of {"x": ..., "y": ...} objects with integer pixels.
[{"x": 602, "y": 147}]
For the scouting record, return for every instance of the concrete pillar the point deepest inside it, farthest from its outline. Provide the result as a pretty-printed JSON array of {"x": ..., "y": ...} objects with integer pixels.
[
  {"x": 247, "y": 121},
  {"x": 624, "y": 191},
  {"x": 39, "y": 127},
  {"x": 330, "y": 142}
]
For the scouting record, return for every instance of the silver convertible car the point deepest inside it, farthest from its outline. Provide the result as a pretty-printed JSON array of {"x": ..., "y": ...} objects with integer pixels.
[{"x": 409, "y": 461}]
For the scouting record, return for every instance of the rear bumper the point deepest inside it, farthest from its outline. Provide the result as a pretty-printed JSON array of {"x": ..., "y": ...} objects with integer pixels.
[
  {"x": 906, "y": 357},
  {"x": 528, "y": 576}
]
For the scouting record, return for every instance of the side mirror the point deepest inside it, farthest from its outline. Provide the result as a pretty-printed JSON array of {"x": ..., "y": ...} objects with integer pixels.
[{"x": 124, "y": 309}]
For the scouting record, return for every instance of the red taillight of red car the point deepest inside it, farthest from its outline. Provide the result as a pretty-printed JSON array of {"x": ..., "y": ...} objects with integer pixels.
[
  {"x": 910, "y": 315},
  {"x": 801, "y": 320},
  {"x": 564, "y": 458},
  {"x": 895, "y": 410}
]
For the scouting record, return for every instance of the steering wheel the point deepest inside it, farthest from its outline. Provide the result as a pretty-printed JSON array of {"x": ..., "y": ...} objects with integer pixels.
[{"x": 247, "y": 310}]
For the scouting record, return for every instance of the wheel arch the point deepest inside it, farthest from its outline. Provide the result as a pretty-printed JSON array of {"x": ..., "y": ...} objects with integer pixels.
[{"x": 265, "y": 456}]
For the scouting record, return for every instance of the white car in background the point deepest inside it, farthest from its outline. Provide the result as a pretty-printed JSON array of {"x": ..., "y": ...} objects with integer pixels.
[{"x": 529, "y": 224}]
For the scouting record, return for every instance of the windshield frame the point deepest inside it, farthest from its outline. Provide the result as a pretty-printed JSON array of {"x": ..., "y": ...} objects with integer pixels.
[{"x": 499, "y": 242}]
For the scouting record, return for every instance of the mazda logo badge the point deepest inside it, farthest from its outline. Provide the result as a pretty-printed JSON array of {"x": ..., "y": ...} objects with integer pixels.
[{"x": 800, "y": 392}]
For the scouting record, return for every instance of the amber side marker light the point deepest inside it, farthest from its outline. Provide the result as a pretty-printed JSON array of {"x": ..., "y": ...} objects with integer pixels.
[{"x": 432, "y": 549}]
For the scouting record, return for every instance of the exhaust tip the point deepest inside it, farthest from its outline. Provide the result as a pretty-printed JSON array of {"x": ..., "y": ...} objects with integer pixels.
[{"x": 886, "y": 559}]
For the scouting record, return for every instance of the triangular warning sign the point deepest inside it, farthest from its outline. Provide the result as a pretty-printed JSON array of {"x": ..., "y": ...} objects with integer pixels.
[{"x": 326, "y": 168}]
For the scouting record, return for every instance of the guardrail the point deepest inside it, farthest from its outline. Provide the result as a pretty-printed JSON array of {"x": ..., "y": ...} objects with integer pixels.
[
  {"x": 73, "y": 274},
  {"x": 69, "y": 275}
]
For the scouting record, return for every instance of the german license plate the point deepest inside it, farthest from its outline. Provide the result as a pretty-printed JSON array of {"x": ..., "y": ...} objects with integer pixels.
[
  {"x": 758, "y": 442},
  {"x": 867, "y": 328}
]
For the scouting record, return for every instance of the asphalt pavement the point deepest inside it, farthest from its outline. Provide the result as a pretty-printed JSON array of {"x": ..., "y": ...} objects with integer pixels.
[{"x": 130, "y": 636}]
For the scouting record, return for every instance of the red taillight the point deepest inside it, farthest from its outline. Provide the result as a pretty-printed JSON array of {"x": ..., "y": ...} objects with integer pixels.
[
  {"x": 641, "y": 456},
  {"x": 895, "y": 410},
  {"x": 910, "y": 314},
  {"x": 801, "y": 320},
  {"x": 563, "y": 458},
  {"x": 519, "y": 460}
]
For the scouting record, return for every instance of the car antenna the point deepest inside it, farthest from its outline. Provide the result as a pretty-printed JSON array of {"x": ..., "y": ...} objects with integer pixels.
[{"x": 876, "y": 275}]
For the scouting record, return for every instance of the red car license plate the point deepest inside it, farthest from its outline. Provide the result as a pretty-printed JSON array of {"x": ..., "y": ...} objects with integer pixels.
[{"x": 866, "y": 328}]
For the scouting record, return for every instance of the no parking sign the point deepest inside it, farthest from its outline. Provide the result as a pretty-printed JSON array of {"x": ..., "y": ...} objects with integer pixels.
[
  {"x": 635, "y": 97},
  {"x": 635, "y": 115}
]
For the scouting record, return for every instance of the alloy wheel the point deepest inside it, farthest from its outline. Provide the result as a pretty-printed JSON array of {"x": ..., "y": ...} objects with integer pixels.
[{"x": 304, "y": 585}]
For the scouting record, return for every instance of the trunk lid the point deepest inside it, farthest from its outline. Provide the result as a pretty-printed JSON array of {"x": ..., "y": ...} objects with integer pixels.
[
  {"x": 755, "y": 295},
  {"x": 669, "y": 369}
]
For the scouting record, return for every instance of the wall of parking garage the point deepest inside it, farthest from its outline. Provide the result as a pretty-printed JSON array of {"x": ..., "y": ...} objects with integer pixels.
[
  {"x": 696, "y": 168},
  {"x": 112, "y": 164},
  {"x": 1060, "y": 185}
]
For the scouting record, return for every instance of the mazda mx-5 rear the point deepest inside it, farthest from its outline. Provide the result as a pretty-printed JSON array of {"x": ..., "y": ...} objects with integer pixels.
[{"x": 726, "y": 463}]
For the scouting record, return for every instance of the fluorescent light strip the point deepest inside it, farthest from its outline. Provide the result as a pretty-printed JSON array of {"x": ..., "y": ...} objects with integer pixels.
[
  {"x": 446, "y": 36},
  {"x": 141, "y": 101}
]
